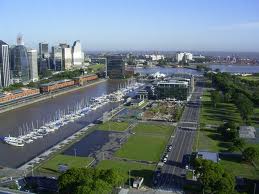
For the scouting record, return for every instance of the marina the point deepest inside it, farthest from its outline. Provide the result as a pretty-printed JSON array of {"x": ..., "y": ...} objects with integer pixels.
[
  {"x": 69, "y": 115},
  {"x": 82, "y": 113}
]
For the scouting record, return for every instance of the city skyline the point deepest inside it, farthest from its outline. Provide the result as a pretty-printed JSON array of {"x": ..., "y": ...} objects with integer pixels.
[{"x": 135, "y": 25}]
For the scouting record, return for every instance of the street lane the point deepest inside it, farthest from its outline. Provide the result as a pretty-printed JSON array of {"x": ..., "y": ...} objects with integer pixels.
[{"x": 173, "y": 171}]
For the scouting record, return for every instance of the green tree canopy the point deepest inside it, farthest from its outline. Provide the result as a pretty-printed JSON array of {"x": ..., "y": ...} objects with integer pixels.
[
  {"x": 89, "y": 180},
  {"x": 250, "y": 154},
  {"x": 213, "y": 177},
  {"x": 215, "y": 98}
]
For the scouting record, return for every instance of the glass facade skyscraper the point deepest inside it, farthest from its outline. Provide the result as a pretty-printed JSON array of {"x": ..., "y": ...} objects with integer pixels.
[
  {"x": 20, "y": 64},
  {"x": 5, "y": 80},
  {"x": 115, "y": 67}
]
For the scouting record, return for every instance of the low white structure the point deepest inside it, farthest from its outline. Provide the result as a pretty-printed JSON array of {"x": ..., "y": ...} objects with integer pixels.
[
  {"x": 183, "y": 56},
  {"x": 138, "y": 182},
  {"x": 158, "y": 75},
  {"x": 155, "y": 57},
  {"x": 247, "y": 132}
]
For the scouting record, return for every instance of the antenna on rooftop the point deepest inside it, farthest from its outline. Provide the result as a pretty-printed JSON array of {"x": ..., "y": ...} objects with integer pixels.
[{"x": 19, "y": 39}]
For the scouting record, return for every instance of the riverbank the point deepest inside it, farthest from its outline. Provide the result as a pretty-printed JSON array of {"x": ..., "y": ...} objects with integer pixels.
[{"x": 49, "y": 96}]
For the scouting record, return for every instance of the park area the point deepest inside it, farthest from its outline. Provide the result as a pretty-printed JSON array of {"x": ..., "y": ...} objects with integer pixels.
[
  {"x": 210, "y": 140},
  {"x": 211, "y": 118},
  {"x": 146, "y": 143},
  {"x": 51, "y": 166},
  {"x": 135, "y": 169}
]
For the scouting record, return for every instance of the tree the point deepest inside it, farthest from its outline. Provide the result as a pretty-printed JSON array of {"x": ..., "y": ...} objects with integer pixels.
[
  {"x": 245, "y": 105},
  {"x": 250, "y": 154},
  {"x": 238, "y": 144},
  {"x": 89, "y": 180},
  {"x": 213, "y": 177},
  {"x": 228, "y": 131},
  {"x": 215, "y": 98}
]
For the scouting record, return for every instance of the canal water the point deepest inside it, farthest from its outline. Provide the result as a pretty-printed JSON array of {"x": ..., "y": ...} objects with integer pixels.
[{"x": 236, "y": 68}]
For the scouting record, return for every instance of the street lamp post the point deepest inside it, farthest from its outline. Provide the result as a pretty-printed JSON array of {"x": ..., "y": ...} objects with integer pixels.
[{"x": 75, "y": 152}]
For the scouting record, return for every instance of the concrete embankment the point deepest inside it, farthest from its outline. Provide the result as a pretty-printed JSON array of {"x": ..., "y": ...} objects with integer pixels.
[{"x": 48, "y": 96}]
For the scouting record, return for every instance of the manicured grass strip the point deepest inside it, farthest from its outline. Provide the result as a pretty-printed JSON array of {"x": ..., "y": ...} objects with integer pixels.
[
  {"x": 216, "y": 116},
  {"x": 142, "y": 147},
  {"x": 52, "y": 165},
  {"x": 136, "y": 169},
  {"x": 238, "y": 167},
  {"x": 153, "y": 129},
  {"x": 210, "y": 139},
  {"x": 113, "y": 126}
]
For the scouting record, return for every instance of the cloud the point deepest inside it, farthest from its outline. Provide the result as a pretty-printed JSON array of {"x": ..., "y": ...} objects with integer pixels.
[{"x": 241, "y": 26}]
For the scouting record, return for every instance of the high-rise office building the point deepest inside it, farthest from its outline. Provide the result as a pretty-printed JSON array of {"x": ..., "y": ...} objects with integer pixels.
[
  {"x": 5, "y": 80},
  {"x": 67, "y": 58},
  {"x": 43, "y": 50},
  {"x": 77, "y": 55},
  {"x": 33, "y": 64},
  {"x": 56, "y": 58},
  {"x": 19, "y": 62},
  {"x": 44, "y": 62},
  {"x": 115, "y": 67}
]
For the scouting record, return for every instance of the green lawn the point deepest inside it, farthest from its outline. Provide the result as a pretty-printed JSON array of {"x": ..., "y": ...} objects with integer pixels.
[
  {"x": 136, "y": 169},
  {"x": 239, "y": 168},
  {"x": 216, "y": 116},
  {"x": 153, "y": 129},
  {"x": 51, "y": 166},
  {"x": 113, "y": 126},
  {"x": 142, "y": 147},
  {"x": 147, "y": 143},
  {"x": 209, "y": 139},
  {"x": 250, "y": 78}
]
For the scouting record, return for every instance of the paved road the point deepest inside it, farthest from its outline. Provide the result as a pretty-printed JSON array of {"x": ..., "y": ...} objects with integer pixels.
[{"x": 173, "y": 170}]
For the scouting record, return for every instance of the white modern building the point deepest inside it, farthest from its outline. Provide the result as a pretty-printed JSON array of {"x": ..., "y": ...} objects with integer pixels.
[
  {"x": 33, "y": 64},
  {"x": 77, "y": 54},
  {"x": 155, "y": 57},
  {"x": 5, "y": 80},
  {"x": 67, "y": 58},
  {"x": 180, "y": 56}
]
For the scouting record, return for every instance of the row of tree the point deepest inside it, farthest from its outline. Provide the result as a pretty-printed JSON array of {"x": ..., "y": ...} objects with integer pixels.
[{"x": 243, "y": 103}]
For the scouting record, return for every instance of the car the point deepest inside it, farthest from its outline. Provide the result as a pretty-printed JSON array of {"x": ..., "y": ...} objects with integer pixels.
[
  {"x": 186, "y": 167},
  {"x": 165, "y": 160}
]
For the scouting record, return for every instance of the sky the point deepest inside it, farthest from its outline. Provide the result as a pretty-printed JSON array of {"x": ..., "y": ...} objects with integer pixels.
[{"x": 162, "y": 25}]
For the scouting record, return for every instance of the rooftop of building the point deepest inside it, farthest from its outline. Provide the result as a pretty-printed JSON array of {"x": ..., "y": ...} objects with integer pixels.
[
  {"x": 3, "y": 43},
  {"x": 247, "y": 132},
  {"x": 173, "y": 82},
  {"x": 17, "y": 91},
  {"x": 56, "y": 82},
  {"x": 213, "y": 156}
]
